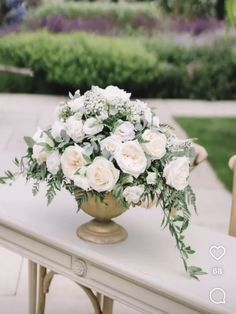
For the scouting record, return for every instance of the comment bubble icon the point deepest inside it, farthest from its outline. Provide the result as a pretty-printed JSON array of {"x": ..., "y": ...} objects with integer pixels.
[{"x": 217, "y": 296}]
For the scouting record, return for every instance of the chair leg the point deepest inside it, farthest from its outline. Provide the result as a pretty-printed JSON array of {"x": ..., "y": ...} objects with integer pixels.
[
  {"x": 107, "y": 305},
  {"x": 32, "y": 286},
  {"x": 41, "y": 293}
]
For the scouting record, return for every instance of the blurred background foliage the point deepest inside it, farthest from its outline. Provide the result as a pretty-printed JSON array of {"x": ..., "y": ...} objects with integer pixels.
[{"x": 163, "y": 48}]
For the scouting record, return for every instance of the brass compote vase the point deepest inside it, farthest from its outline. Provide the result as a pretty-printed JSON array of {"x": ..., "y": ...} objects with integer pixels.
[{"x": 102, "y": 229}]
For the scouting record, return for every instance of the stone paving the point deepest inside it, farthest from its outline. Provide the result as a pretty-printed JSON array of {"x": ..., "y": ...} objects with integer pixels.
[{"x": 20, "y": 115}]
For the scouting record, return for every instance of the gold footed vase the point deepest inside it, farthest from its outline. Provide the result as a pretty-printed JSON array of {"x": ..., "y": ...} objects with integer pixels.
[{"x": 102, "y": 229}]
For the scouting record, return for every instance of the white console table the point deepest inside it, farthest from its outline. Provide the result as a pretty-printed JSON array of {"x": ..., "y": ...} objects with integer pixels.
[{"x": 144, "y": 272}]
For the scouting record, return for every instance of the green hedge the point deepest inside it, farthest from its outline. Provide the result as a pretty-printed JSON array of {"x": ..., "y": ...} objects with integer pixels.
[
  {"x": 123, "y": 12},
  {"x": 148, "y": 68},
  {"x": 63, "y": 63}
]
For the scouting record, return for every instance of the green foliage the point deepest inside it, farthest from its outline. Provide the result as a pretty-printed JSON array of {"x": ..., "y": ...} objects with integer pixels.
[
  {"x": 124, "y": 12},
  {"x": 217, "y": 135},
  {"x": 148, "y": 68},
  {"x": 190, "y": 8},
  {"x": 61, "y": 63}
]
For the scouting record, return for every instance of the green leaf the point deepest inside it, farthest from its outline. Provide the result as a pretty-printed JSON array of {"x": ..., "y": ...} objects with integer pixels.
[{"x": 29, "y": 141}]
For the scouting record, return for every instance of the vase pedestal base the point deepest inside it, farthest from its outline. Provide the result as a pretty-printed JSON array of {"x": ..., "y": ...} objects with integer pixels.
[{"x": 107, "y": 232}]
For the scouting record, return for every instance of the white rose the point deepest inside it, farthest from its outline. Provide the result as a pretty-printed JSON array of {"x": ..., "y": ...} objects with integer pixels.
[
  {"x": 56, "y": 130},
  {"x": 151, "y": 178},
  {"x": 132, "y": 194},
  {"x": 39, "y": 152},
  {"x": 77, "y": 104},
  {"x": 155, "y": 145},
  {"x": 176, "y": 173},
  {"x": 74, "y": 129},
  {"x": 131, "y": 158},
  {"x": 72, "y": 160},
  {"x": 113, "y": 92},
  {"x": 110, "y": 143},
  {"x": 102, "y": 174},
  {"x": 125, "y": 131},
  {"x": 53, "y": 162},
  {"x": 92, "y": 126}
]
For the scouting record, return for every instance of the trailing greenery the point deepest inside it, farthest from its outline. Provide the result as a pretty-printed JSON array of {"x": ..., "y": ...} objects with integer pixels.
[
  {"x": 217, "y": 135},
  {"x": 147, "y": 67}
]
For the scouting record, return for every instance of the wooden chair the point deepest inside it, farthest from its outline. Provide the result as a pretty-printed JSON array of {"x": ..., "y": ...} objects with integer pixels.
[
  {"x": 101, "y": 304},
  {"x": 232, "y": 225}
]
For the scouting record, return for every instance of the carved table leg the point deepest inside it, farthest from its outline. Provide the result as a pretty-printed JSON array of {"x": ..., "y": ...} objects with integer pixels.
[
  {"x": 41, "y": 293},
  {"x": 32, "y": 286},
  {"x": 107, "y": 305}
]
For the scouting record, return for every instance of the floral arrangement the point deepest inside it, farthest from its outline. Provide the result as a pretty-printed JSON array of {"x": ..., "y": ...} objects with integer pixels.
[{"x": 103, "y": 142}]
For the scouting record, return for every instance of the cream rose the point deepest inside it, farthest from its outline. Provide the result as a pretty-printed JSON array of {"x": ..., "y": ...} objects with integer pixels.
[
  {"x": 110, "y": 143},
  {"x": 125, "y": 131},
  {"x": 131, "y": 158},
  {"x": 53, "y": 162},
  {"x": 72, "y": 160},
  {"x": 132, "y": 194},
  {"x": 176, "y": 173},
  {"x": 155, "y": 144},
  {"x": 74, "y": 129},
  {"x": 102, "y": 174},
  {"x": 92, "y": 126}
]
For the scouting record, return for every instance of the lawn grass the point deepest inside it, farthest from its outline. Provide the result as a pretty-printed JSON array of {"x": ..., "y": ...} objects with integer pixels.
[{"x": 218, "y": 136}]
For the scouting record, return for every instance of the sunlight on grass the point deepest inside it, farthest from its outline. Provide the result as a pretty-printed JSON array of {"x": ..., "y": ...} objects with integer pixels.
[{"x": 218, "y": 136}]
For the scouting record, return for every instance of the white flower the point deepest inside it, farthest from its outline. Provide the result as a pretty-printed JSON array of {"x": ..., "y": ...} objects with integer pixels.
[
  {"x": 148, "y": 115},
  {"x": 82, "y": 182},
  {"x": 132, "y": 194},
  {"x": 110, "y": 143},
  {"x": 72, "y": 160},
  {"x": 131, "y": 158},
  {"x": 53, "y": 162},
  {"x": 74, "y": 128},
  {"x": 56, "y": 130},
  {"x": 151, "y": 178},
  {"x": 37, "y": 135},
  {"x": 40, "y": 153},
  {"x": 156, "y": 121},
  {"x": 92, "y": 126},
  {"x": 77, "y": 104},
  {"x": 176, "y": 173},
  {"x": 102, "y": 174},
  {"x": 113, "y": 92},
  {"x": 125, "y": 131},
  {"x": 155, "y": 144}
]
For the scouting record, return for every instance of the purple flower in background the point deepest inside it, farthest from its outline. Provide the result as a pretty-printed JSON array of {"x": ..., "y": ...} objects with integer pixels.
[{"x": 15, "y": 12}]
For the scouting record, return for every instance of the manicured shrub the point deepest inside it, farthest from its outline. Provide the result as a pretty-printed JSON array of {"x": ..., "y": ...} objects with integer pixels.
[
  {"x": 148, "y": 68},
  {"x": 63, "y": 63}
]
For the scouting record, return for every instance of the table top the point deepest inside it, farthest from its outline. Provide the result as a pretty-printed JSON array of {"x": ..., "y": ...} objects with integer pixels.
[{"x": 148, "y": 255}]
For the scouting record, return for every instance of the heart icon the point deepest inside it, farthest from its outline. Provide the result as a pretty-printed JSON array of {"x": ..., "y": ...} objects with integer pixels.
[{"x": 217, "y": 252}]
